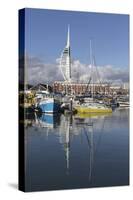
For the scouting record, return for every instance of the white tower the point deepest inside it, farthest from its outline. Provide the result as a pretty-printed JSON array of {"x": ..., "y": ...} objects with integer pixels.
[{"x": 65, "y": 61}]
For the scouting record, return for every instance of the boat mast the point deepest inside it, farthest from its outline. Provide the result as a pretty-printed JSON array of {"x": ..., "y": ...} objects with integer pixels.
[
  {"x": 91, "y": 62},
  {"x": 69, "y": 56},
  {"x": 25, "y": 72}
]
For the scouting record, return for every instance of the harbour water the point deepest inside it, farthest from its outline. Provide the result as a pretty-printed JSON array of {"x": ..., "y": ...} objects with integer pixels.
[{"x": 76, "y": 151}]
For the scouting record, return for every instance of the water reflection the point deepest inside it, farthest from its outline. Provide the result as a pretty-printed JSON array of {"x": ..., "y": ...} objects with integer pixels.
[{"x": 76, "y": 151}]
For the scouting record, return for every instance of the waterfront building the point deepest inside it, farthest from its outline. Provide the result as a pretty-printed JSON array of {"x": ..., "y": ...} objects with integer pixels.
[{"x": 85, "y": 88}]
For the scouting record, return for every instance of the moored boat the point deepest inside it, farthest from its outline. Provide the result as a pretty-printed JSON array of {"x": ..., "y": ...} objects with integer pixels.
[
  {"x": 124, "y": 102},
  {"x": 49, "y": 105},
  {"x": 47, "y": 102},
  {"x": 93, "y": 108},
  {"x": 91, "y": 115},
  {"x": 89, "y": 105}
]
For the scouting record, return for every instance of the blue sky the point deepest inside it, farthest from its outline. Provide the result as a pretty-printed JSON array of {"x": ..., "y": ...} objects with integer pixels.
[
  {"x": 46, "y": 32},
  {"x": 46, "y": 35}
]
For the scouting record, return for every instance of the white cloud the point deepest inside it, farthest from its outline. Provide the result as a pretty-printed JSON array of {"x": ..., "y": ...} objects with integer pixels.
[
  {"x": 40, "y": 72},
  {"x": 113, "y": 74},
  {"x": 107, "y": 73}
]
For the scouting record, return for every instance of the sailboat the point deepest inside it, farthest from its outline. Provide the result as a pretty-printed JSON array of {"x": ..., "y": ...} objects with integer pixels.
[{"x": 91, "y": 106}]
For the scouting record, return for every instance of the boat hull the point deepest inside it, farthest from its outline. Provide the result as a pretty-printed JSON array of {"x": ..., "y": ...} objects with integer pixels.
[
  {"x": 92, "y": 115},
  {"x": 49, "y": 106},
  {"x": 93, "y": 110}
]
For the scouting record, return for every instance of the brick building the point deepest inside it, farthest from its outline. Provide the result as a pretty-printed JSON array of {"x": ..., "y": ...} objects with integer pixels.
[{"x": 82, "y": 88}]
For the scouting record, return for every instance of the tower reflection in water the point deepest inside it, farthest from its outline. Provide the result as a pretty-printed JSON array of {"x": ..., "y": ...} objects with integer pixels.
[
  {"x": 76, "y": 151},
  {"x": 67, "y": 127}
]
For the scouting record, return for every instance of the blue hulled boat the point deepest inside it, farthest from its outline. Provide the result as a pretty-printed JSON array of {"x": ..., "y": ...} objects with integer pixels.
[{"x": 49, "y": 105}]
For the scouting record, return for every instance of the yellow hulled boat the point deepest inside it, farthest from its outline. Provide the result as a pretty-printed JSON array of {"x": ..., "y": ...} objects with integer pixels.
[
  {"x": 92, "y": 115},
  {"x": 93, "y": 108}
]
